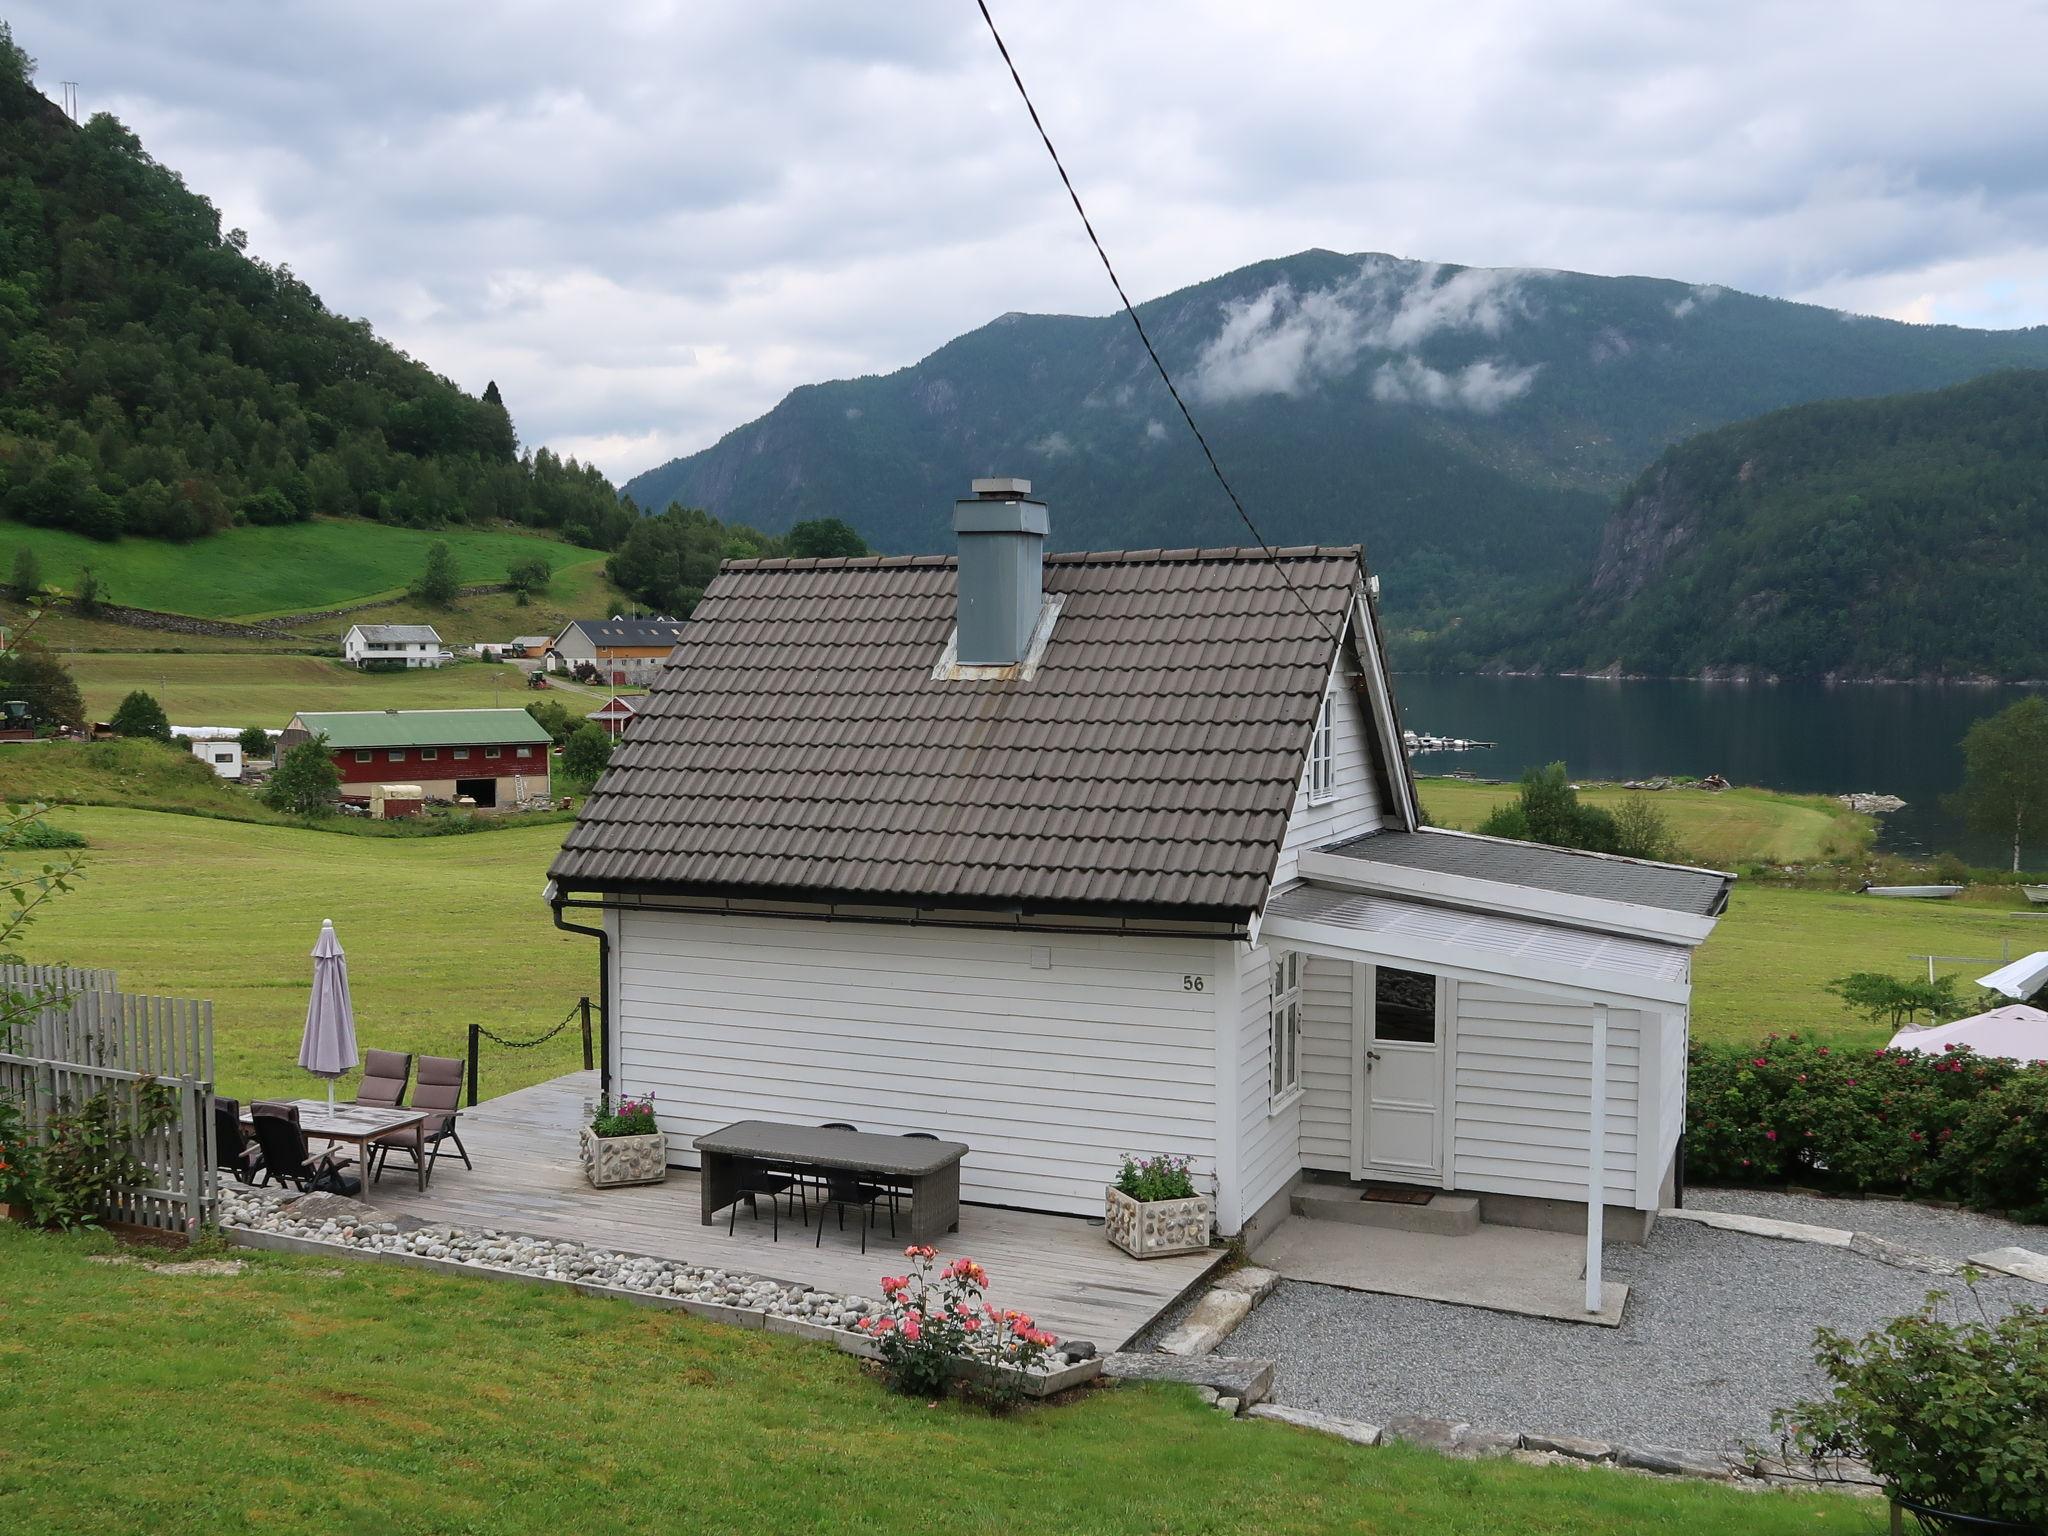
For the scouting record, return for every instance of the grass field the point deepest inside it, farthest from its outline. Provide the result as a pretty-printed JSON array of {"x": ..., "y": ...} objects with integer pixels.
[
  {"x": 303, "y": 1396},
  {"x": 248, "y": 573},
  {"x": 439, "y": 931},
  {"x": 1720, "y": 829},
  {"x": 243, "y": 688},
  {"x": 1770, "y": 957}
]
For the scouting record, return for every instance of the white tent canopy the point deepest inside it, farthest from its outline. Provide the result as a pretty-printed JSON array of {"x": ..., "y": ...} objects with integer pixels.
[
  {"x": 2022, "y": 978},
  {"x": 2015, "y": 1031}
]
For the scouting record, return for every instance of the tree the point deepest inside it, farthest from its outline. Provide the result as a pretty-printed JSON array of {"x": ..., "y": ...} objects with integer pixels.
[
  {"x": 1642, "y": 831},
  {"x": 1894, "y": 1003},
  {"x": 1548, "y": 810},
  {"x": 30, "y": 672},
  {"x": 2005, "y": 774},
  {"x": 140, "y": 715},
  {"x": 552, "y": 718},
  {"x": 305, "y": 781},
  {"x": 491, "y": 395},
  {"x": 529, "y": 578},
  {"x": 437, "y": 584},
  {"x": 823, "y": 537},
  {"x": 586, "y": 752},
  {"x": 27, "y": 578},
  {"x": 254, "y": 741},
  {"x": 91, "y": 594}
]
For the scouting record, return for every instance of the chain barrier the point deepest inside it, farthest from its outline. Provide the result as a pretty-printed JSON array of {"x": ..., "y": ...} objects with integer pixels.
[{"x": 522, "y": 1045}]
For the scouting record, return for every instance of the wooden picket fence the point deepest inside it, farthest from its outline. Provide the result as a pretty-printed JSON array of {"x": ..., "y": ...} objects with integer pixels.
[{"x": 84, "y": 1038}]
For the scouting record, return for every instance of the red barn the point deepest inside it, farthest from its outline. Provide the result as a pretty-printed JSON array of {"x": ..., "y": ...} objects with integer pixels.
[{"x": 497, "y": 757}]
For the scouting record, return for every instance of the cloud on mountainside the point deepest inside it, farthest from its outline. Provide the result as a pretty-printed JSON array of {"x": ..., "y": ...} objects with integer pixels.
[{"x": 1280, "y": 342}]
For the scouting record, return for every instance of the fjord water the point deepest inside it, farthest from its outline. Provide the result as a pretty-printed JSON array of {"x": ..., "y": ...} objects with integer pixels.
[{"x": 1814, "y": 738}]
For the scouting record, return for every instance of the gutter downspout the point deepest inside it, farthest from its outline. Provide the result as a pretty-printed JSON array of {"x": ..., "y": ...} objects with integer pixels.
[
  {"x": 556, "y": 903},
  {"x": 1596, "y": 1159}
]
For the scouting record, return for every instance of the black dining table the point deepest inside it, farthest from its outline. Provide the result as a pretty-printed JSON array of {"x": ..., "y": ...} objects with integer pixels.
[{"x": 929, "y": 1171}]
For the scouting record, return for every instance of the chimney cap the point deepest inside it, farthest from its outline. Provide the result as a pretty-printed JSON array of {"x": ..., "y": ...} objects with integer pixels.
[{"x": 1000, "y": 487}]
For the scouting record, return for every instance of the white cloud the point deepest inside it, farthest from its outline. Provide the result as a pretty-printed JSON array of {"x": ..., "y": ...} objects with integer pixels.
[
  {"x": 1155, "y": 431},
  {"x": 1054, "y": 445},
  {"x": 1702, "y": 293},
  {"x": 1483, "y": 387},
  {"x": 651, "y": 224}
]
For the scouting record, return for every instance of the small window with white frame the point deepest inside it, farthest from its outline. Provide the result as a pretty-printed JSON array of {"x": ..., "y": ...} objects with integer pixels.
[
  {"x": 1322, "y": 753},
  {"x": 1284, "y": 1021}
]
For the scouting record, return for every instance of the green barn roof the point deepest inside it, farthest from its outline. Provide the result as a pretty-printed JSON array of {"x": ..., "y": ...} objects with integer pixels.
[{"x": 346, "y": 728}]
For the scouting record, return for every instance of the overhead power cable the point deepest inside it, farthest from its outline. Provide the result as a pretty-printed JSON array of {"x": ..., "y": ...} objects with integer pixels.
[{"x": 1139, "y": 325}]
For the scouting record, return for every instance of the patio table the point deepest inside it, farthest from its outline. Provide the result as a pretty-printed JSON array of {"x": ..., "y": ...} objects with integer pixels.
[
  {"x": 928, "y": 1170},
  {"x": 357, "y": 1124}
]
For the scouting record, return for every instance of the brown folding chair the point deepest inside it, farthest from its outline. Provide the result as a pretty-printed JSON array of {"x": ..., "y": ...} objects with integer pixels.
[
  {"x": 385, "y": 1074},
  {"x": 439, "y": 1090},
  {"x": 288, "y": 1159}
]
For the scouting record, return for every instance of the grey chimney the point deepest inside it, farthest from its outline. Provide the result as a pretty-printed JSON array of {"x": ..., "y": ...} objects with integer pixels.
[{"x": 1002, "y": 578}]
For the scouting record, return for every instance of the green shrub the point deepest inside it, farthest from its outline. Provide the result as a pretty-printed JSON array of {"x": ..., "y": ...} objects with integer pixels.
[
  {"x": 141, "y": 715},
  {"x": 1950, "y": 1414},
  {"x": 1956, "y": 1126},
  {"x": 39, "y": 835}
]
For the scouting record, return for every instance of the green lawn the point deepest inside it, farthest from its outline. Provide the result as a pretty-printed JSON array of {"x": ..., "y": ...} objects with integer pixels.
[
  {"x": 439, "y": 931},
  {"x": 248, "y": 573},
  {"x": 1718, "y": 828},
  {"x": 304, "y": 1396},
  {"x": 1770, "y": 957},
  {"x": 251, "y": 688}
]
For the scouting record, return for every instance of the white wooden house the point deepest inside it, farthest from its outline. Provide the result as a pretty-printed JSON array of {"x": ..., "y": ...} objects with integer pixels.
[
  {"x": 1071, "y": 856},
  {"x": 394, "y": 645}
]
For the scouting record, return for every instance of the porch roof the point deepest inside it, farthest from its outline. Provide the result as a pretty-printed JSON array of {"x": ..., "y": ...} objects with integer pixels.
[{"x": 1481, "y": 945}]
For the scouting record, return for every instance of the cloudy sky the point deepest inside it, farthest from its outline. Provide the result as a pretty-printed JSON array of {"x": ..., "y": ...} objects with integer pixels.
[{"x": 648, "y": 221}]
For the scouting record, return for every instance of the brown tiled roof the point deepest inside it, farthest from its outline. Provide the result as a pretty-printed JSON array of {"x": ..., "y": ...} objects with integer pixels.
[{"x": 797, "y": 744}]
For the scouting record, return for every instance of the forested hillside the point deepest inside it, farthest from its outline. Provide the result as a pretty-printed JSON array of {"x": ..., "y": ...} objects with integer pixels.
[
  {"x": 1470, "y": 426},
  {"x": 1904, "y": 537},
  {"x": 158, "y": 380}
]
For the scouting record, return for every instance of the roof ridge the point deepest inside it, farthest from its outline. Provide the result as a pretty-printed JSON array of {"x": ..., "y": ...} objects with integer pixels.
[{"x": 1155, "y": 556}]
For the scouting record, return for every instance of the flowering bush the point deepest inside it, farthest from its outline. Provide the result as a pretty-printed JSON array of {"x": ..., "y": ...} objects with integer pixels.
[
  {"x": 1955, "y": 1126},
  {"x": 938, "y": 1320},
  {"x": 1164, "y": 1177},
  {"x": 1949, "y": 1413},
  {"x": 629, "y": 1117}
]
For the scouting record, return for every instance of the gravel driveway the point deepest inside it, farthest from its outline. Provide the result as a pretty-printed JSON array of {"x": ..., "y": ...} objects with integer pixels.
[{"x": 1719, "y": 1331}]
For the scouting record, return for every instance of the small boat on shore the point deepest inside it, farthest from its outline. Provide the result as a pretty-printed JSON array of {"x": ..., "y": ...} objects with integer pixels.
[
  {"x": 1913, "y": 892},
  {"x": 2037, "y": 894}
]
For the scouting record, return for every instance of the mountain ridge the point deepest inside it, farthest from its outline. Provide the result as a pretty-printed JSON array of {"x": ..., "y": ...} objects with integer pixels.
[{"x": 1471, "y": 426}]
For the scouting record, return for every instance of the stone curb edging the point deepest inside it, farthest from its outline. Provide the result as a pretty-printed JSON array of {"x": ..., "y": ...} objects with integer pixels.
[
  {"x": 2020, "y": 1263},
  {"x": 1457, "y": 1438},
  {"x": 1036, "y": 1384}
]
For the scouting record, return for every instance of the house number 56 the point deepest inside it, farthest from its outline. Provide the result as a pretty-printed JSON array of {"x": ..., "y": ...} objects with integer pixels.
[{"x": 1194, "y": 983}]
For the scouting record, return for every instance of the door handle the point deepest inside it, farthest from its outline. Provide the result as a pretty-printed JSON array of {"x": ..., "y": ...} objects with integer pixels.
[{"x": 1372, "y": 1055}]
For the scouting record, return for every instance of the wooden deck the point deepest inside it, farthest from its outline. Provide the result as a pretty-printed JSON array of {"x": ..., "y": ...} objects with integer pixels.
[{"x": 527, "y": 1179}]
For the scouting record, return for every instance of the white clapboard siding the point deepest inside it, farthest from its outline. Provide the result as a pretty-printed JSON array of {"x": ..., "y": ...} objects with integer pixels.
[
  {"x": 1522, "y": 1095},
  {"x": 1326, "y": 1064},
  {"x": 1670, "y": 1099},
  {"x": 1268, "y": 1141},
  {"x": 1049, "y": 1075},
  {"x": 1354, "y": 808}
]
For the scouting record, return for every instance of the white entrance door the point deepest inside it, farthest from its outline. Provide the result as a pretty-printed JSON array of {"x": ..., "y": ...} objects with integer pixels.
[{"x": 1402, "y": 1137}]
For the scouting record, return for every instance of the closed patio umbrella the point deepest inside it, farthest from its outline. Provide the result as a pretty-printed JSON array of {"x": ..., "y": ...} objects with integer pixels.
[{"x": 328, "y": 1047}]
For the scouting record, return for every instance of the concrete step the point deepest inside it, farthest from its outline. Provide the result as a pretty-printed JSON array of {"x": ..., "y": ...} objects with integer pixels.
[{"x": 1444, "y": 1215}]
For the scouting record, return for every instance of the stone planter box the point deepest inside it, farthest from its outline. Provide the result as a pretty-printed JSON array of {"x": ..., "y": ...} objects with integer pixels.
[
  {"x": 1152, "y": 1229},
  {"x": 610, "y": 1160}
]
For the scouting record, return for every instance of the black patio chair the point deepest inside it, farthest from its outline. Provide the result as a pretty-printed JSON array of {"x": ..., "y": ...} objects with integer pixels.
[
  {"x": 753, "y": 1179},
  {"x": 897, "y": 1191},
  {"x": 234, "y": 1150},
  {"x": 812, "y": 1179},
  {"x": 848, "y": 1190},
  {"x": 288, "y": 1160}
]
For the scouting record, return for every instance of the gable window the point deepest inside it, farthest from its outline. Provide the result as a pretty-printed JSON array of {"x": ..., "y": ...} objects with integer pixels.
[
  {"x": 1284, "y": 1022},
  {"x": 1322, "y": 753}
]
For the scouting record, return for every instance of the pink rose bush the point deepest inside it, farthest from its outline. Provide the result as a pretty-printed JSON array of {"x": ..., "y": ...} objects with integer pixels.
[
  {"x": 1955, "y": 1126},
  {"x": 940, "y": 1328}
]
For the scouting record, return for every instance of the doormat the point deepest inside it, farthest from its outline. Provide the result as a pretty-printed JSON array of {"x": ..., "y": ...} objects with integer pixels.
[{"x": 1397, "y": 1194}]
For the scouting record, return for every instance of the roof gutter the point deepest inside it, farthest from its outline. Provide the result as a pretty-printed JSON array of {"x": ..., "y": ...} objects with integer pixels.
[{"x": 557, "y": 901}]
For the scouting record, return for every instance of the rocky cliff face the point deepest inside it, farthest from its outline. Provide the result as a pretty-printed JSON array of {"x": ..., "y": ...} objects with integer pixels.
[{"x": 1645, "y": 533}]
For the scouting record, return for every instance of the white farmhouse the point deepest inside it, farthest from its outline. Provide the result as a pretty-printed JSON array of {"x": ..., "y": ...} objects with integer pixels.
[
  {"x": 393, "y": 645},
  {"x": 1076, "y": 855}
]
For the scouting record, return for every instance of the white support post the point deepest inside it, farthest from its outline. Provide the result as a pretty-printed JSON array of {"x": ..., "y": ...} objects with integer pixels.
[{"x": 1596, "y": 1159}]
